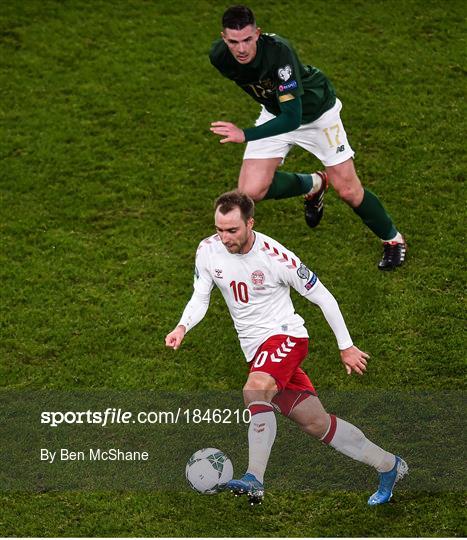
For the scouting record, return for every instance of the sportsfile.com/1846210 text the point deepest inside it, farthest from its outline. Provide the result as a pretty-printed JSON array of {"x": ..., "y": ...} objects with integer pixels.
[{"x": 111, "y": 416}]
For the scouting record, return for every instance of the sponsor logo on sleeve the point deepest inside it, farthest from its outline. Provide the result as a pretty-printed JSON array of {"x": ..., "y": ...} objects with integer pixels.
[
  {"x": 289, "y": 86},
  {"x": 311, "y": 282},
  {"x": 285, "y": 72},
  {"x": 218, "y": 273},
  {"x": 303, "y": 272}
]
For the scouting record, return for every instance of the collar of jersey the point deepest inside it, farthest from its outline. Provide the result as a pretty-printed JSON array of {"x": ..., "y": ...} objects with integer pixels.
[{"x": 259, "y": 52}]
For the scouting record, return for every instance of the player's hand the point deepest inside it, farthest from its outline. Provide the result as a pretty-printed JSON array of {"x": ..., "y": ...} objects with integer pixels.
[
  {"x": 354, "y": 360},
  {"x": 229, "y": 131},
  {"x": 175, "y": 338}
]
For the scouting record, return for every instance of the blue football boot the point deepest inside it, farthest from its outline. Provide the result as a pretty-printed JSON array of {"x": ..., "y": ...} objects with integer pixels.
[
  {"x": 247, "y": 485},
  {"x": 387, "y": 482}
]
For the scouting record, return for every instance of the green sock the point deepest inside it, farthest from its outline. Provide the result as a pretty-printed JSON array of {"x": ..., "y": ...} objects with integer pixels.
[
  {"x": 285, "y": 185},
  {"x": 375, "y": 217}
]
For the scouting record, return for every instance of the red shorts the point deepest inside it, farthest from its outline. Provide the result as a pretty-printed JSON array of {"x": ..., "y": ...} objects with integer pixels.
[{"x": 280, "y": 356}]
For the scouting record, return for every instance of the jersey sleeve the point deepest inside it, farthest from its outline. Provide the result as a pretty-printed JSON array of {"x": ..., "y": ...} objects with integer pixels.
[
  {"x": 198, "y": 305},
  {"x": 322, "y": 297},
  {"x": 288, "y": 79},
  {"x": 291, "y": 271},
  {"x": 288, "y": 120}
]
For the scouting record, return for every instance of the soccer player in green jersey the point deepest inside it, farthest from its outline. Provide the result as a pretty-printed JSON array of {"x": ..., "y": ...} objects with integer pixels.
[{"x": 299, "y": 107}]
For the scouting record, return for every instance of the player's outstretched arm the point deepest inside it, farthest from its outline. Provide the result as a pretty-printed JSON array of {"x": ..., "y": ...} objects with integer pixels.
[
  {"x": 288, "y": 120},
  {"x": 175, "y": 338},
  {"x": 352, "y": 357},
  {"x": 197, "y": 306},
  {"x": 354, "y": 360}
]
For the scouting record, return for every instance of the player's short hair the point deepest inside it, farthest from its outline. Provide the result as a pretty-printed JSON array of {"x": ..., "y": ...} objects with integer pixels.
[
  {"x": 233, "y": 199},
  {"x": 237, "y": 17}
]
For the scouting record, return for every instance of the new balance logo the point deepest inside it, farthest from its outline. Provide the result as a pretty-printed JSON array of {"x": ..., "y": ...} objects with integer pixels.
[{"x": 340, "y": 148}]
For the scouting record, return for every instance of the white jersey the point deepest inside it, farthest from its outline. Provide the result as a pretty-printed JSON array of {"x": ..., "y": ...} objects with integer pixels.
[{"x": 256, "y": 288}]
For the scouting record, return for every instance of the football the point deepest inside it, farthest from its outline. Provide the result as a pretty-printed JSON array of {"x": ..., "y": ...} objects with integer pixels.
[{"x": 208, "y": 470}]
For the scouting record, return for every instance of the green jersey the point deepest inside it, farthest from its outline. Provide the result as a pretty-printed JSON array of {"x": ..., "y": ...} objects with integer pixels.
[{"x": 276, "y": 75}]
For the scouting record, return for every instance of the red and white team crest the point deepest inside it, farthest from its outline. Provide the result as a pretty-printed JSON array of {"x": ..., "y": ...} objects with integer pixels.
[{"x": 257, "y": 277}]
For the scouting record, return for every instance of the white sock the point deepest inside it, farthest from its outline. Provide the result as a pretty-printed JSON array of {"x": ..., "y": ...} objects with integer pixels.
[
  {"x": 398, "y": 238},
  {"x": 261, "y": 435},
  {"x": 350, "y": 441},
  {"x": 317, "y": 183}
]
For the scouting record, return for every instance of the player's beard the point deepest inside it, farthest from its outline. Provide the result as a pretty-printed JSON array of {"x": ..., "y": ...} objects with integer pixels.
[{"x": 237, "y": 247}]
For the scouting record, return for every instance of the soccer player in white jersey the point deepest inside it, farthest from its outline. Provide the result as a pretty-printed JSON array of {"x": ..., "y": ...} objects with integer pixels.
[{"x": 254, "y": 274}]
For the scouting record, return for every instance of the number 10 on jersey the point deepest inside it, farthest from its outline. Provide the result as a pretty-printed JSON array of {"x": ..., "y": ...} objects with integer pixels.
[{"x": 240, "y": 291}]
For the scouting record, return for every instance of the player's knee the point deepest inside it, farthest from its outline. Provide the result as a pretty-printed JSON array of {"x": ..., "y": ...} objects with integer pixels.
[
  {"x": 349, "y": 190},
  {"x": 259, "y": 389},
  {"x": 255, "y": 181},
  {"x": 256, "y": 192},
  {"x": 260, "y": 381}
]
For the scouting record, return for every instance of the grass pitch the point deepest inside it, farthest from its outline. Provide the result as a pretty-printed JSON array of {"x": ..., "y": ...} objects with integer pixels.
[{"x": 108, "y": 172}]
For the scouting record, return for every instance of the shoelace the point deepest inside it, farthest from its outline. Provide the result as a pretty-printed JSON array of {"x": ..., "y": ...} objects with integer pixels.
[{"x": 391, "y": 249}]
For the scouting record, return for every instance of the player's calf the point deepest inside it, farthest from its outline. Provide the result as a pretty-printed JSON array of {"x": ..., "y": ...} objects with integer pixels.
[{"x": 311, "y": 417}]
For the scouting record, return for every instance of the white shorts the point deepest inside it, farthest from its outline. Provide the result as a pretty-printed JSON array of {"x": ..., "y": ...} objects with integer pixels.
[{"x": 325, "y": 138}]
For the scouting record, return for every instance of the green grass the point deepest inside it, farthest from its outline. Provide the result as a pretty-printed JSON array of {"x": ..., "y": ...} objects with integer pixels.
[
  {"x": 288, "y": 515},
  {"x": 107, "y": 176}
]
